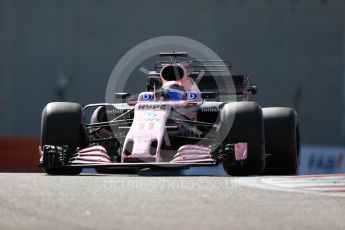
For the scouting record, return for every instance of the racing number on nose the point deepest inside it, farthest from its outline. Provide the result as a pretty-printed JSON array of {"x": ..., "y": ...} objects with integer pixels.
[{"x": 146, "y": 126}]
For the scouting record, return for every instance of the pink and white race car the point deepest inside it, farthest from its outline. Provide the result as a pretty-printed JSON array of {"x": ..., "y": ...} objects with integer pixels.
[{"x": 194, "y": 113}]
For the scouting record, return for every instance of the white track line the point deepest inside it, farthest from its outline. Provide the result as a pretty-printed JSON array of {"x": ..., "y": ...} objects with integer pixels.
[{"x": 333, "y": 185}]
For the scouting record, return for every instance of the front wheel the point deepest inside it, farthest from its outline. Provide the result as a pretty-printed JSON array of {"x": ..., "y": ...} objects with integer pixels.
[
  {"x": 243, "y": 122},
  {"x": 61, "y": 124}
]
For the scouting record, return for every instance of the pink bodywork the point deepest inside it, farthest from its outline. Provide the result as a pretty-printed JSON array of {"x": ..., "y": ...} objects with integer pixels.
[
  {"x": 185, "y": 154},
  {"x": 241, "y": 151},
  {"x": 94, "y": 154},
  {"x": 193, "y": 153},
  {"x": 148, "y": 126},
  {"x": 90, "y": 155}
]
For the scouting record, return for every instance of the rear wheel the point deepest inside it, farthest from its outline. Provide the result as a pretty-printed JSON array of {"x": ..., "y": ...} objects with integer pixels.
[
  {"x": 61, "y": 124},
  {"x": 282, "y": 140},
  {"x": 247, "y": 126}
]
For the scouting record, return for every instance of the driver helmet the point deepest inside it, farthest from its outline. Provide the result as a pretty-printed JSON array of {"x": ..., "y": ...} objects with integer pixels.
[{"x": 174, "y": 90}]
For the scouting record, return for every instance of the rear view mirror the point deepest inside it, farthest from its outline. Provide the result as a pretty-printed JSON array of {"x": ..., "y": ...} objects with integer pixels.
[
  {"x": 121, "y": 95},
  {"x": 253, "y": 90}
]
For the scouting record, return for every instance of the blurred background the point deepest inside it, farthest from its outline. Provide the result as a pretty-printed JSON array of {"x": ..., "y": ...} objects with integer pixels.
[{"x": 66, "y": 50}]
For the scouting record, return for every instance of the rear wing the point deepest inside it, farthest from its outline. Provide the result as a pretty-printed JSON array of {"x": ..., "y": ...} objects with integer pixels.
[
  {"x": 198, "y": 66},
  {"x": 207, "y": 83},
  {"x": 206, "y": 73},
  {"x": 241, "y": 87}
]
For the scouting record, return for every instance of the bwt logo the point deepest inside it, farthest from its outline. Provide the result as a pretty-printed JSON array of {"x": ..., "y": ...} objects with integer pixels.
[
  {"x": 152, "y": 107},
  {"x": 147, "y": 97},
  {"x": 192, "y": 96}
]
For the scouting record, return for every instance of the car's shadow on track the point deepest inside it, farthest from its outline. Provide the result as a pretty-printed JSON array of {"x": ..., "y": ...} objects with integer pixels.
[{"x": 195, "y": 172}]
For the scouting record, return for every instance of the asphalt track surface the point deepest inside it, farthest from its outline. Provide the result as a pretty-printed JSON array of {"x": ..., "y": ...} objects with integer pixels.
[{"x": 96, "y": 201}]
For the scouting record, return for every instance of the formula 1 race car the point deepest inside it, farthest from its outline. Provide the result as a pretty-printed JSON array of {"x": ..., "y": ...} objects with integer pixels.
[{"x": 193, "y": 113}]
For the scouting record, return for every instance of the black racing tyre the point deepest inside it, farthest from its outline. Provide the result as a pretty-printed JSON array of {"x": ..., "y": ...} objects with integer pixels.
[
  {"x": 247, "y": 126},
  {"x": 282, "y": 137},
  {"x": 61, "y": 124}
]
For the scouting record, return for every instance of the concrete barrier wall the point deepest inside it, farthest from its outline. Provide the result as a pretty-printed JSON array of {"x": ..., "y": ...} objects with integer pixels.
[{"x": 19, "y": 155}]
